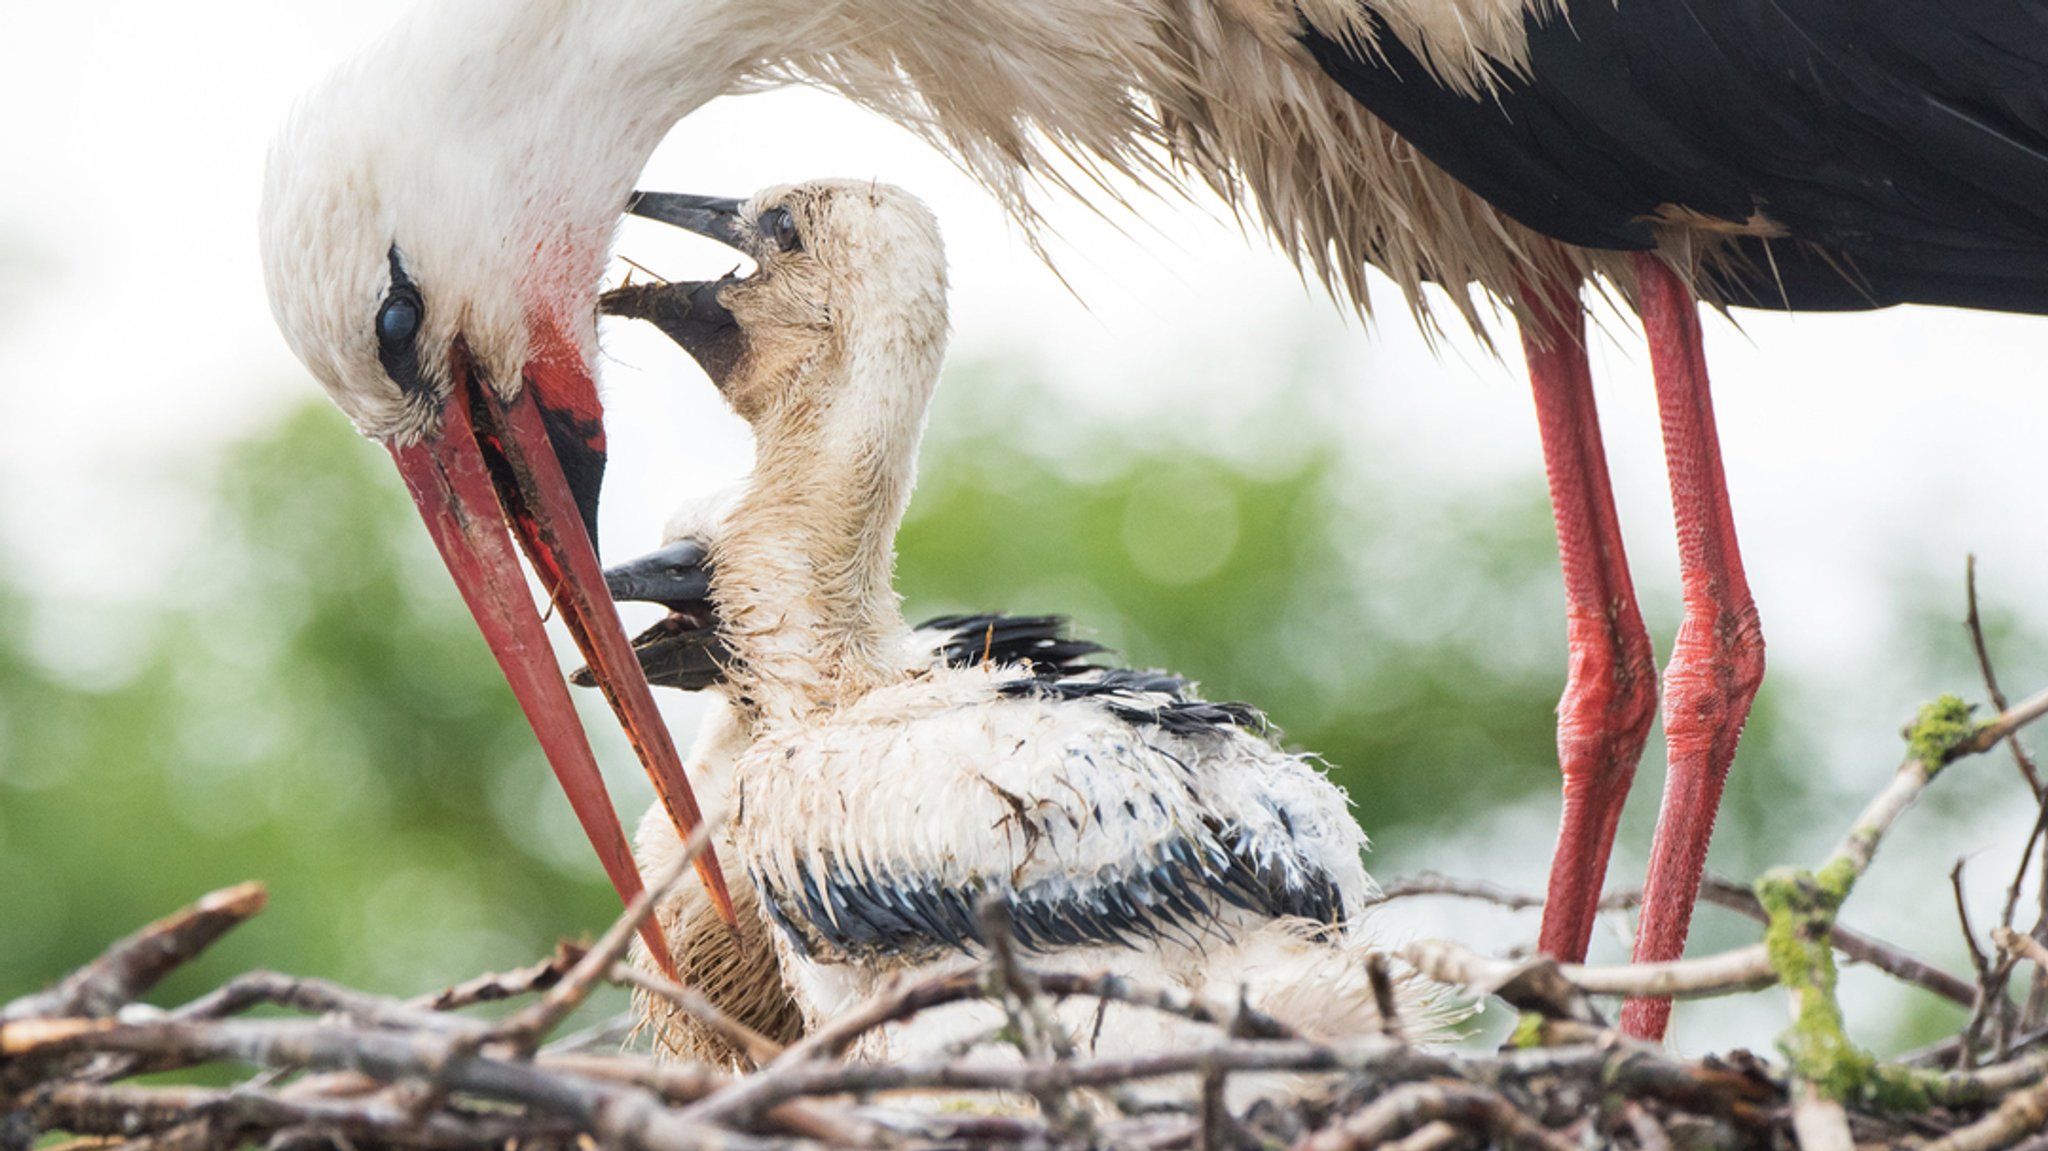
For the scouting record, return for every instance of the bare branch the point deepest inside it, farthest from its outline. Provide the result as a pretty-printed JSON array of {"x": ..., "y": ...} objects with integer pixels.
[
  {"x": 1720, "y": 892},
  {"x": 526, "y": 1029},
  {"x": 129, "y": 1111},
  {"x": 498, "y": 986},
  {"x": 758, "y": 1047},
  {"x": 1975, "y": 625},
  {"x": 1418, "y": 1104},
  {"x": 134, "y": 965},
  {"x": 2023, "y": 1113}
]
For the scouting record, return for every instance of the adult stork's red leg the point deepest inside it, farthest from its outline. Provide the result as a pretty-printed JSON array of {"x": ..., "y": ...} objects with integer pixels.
[
  {"x": 1610, "y": 694},
  {"x": 1718, "y": 659}
]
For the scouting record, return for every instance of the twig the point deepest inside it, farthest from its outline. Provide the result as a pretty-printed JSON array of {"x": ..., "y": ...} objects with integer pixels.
[
  {"x": 788, "y": 1080},
  {"x": 2020, "y": 946},
  {"x": 1821, "y": 1123},
  {"x": 1385, "y": 1003},
  {"x": 1975, "y": 624},
  {"x": 531, "y": 1024},
  {"x": 498, "y": 986},
  {"x": 1417, "y": 1104},
  {"x": 1650, "y": 1134},
  {"x": 2022, "y": 1113},
  {"x": 1037, "y": 1034},
  {"x": 1992, "y": 978},
  {"x": 1743, "y": 969},
  {"x": 758, "y": 1047},
  {"x": 832, "y": 1040},
  {"x": 319, "y": 997},
  {"x": 621, "y": 1115},
  {"x": 2037, "y": 994},
  {"x": 1432, "y": 1136},
  {"x": 134, "y": 965},
  {"x": 1720, "y": 892},
  {"x": 2002, "y": 725},
  {"x": 228, "y": 1115}
]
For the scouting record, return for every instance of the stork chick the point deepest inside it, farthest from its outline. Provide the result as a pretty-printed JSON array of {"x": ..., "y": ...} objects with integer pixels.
[
  {"x": 1123, "y": 824},
  {"x": 737, "y": 970}
]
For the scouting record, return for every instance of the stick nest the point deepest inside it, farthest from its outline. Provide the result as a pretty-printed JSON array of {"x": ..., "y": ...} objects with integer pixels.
[{"x": 348, "y": 1070}]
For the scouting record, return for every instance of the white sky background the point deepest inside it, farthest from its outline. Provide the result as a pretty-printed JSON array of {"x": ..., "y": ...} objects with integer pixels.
[{"x": 134, "y": 336}]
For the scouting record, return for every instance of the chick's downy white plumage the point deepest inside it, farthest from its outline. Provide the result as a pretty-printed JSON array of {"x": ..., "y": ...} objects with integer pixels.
[
  {"x": 1124, "y": 824},
  {"x": 737, "y": 971}
]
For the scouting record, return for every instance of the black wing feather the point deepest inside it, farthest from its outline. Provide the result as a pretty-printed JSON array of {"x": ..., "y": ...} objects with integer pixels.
[{"x": 1901, "y": 145}]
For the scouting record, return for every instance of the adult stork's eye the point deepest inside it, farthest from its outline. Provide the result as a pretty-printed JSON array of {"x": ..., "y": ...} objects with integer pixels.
[
  {"x": 781, "y": 225},
  {"x": 398, "y": 321}
]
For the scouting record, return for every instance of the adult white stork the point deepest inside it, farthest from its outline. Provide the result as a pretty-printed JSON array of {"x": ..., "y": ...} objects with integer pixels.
[
  {"x": 437, "y": 214},
  {"x": 1123, "y": 823}
]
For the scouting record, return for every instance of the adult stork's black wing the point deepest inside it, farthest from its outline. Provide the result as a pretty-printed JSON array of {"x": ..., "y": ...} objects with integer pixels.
[{"x": 1890, "y": 150}]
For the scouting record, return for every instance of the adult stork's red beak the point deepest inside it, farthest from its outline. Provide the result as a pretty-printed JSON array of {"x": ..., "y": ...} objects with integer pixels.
[{"x": 534, "y": 463}]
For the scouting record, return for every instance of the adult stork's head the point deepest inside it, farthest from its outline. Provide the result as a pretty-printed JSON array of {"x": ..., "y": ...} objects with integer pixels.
[{"x": 434, "y": 229}]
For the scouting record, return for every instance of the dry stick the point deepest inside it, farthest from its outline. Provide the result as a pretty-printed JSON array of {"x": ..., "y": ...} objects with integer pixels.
[
  {"x": 2037, "y": 994},
  {"x": 1415, "y": 1105},
  {"x": 1722, "y": 893},
  {"x": 1650, "y": 1134},
  {"x": 1038, "y": 1034},
  {"x": 1994, "y": 1082},
  {"x": 617, "y": 1115},
  {"x": 2020, "y": 946},
  {"x": 1385, "y": 1004},
  {"x": 497, "y": 986},
  {"x": 234, "y": 1114},
  {"x": 1633, "y": 1068},
  {"x": 758, "y": 1047},
  {"x": 1818, "y": 1122},
  {"x": 531, "y": 1024},
  {"x": 1998, "y": 700},
  {"x": 319, "y": 997},
  {"x": 672, "y": 1082},
  {"x": 832, "y": 1040},
  {"x": 1434, "y": 1135},
  {"x": 1943, "y": 1051},
  {"x": 134, "y": 965},
  {"x": 2003, "y": 725},
  {"x": 1216, "y": 1128},
  {"x": 1992, "y": 978},
  {"x": 1743, "y": 969},
  {"x": 2023, "y": 1113},
  {"x": 1373, "y": 1054}
]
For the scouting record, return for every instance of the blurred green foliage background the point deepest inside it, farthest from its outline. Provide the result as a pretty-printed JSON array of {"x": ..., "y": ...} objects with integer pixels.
[{"x": 307, "y": 702}]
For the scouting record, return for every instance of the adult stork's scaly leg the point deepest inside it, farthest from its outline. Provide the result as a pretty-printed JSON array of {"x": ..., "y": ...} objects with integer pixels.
[
  {"x": 1610, "y": 694},
  {"x": 1718, "y": 659}
]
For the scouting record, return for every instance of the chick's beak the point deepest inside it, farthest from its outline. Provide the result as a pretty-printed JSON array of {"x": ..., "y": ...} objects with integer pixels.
[{"x": 713, "y": 217}]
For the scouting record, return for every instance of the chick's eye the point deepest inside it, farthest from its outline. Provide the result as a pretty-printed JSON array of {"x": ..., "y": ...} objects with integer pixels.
[
  {"x": 781, "y": 225},
  {"x": 398, "y": 321}
]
